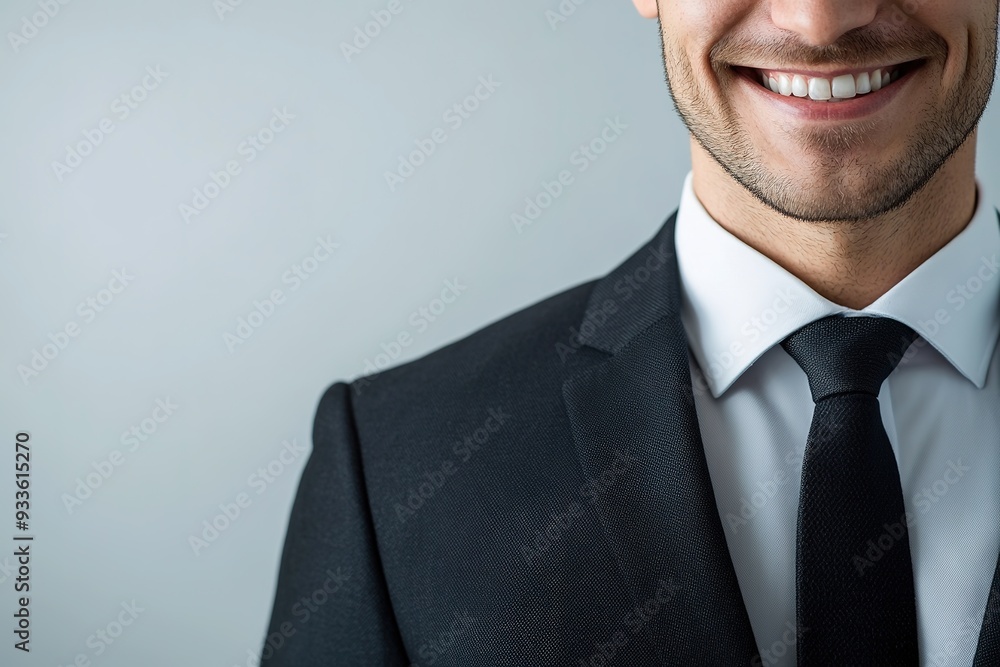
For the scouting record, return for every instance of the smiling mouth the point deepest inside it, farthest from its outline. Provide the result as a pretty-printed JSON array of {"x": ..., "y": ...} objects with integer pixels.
[{"x": 817, "y": 88}]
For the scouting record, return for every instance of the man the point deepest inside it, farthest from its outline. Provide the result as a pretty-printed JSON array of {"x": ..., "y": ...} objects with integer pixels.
[{"x": 768, "y": 437}]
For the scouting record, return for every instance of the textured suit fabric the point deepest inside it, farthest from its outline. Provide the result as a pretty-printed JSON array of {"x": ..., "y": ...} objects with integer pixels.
[
  {"x": 534, "y": 494},
  {"x": 331, "y": 550}
]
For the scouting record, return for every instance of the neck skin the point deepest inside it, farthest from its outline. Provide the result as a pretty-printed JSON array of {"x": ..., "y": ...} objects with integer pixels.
[{"x": 849, "y": 264}]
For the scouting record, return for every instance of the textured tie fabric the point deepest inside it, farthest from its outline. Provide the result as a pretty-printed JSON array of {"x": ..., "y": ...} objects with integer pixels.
[{"x": 855, "y": 601}]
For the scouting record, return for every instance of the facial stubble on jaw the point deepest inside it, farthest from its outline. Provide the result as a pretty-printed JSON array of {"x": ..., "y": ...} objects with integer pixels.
[{"x": 834, "y": 153}]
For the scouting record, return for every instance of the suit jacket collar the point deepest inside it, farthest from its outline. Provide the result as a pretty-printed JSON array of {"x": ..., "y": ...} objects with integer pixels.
[
  {"x": 636, "y": 432},
  {"x": 642, "y": 290}
]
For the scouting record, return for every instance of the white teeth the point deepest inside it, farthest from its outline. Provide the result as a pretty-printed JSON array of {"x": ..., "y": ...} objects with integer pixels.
[
  {"x": 785, "y": 84},
  {"x": 800, "y": 88},
  {"x": 844, "y": 87},
  {"x": 864, "y": 84},
  {"x": 819, "y": 89}
]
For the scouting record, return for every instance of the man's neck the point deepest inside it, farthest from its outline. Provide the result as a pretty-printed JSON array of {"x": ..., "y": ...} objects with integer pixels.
[{"x": 849, "y": 264}]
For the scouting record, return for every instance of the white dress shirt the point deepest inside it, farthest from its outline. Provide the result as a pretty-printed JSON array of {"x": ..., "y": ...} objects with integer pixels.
[{"x": 940, "y": 408}]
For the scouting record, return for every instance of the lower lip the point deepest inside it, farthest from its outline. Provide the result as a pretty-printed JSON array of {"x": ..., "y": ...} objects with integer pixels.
[{"x": 854, "y": 108}]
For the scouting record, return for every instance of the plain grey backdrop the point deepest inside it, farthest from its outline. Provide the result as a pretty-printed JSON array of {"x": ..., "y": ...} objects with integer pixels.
[{"x": 152, "y": 408}]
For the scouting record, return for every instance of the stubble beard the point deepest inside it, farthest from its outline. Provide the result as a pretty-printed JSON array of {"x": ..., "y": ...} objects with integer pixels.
[{"x": 836, "y": 186}]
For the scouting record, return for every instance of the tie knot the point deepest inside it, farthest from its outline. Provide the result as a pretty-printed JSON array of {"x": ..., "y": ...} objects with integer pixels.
[{"x": 848, "y": 354}]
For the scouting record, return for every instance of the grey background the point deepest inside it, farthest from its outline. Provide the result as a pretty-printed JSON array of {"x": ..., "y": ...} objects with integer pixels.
[{"x": 163, "y": 336}]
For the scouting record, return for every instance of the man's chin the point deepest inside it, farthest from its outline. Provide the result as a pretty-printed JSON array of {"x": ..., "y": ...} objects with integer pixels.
[{"x": 828, "y": 203}]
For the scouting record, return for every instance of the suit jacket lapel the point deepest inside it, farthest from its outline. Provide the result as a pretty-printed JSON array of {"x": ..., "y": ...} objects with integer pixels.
[
  {"x": 988, "y": 649},
  {"x": 636, "y": 431}
]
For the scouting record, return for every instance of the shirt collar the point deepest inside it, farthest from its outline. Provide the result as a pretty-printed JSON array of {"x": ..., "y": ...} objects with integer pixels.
[{"x": 738, "y": 303}]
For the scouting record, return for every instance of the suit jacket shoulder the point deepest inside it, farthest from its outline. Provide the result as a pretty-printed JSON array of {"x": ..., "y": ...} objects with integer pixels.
[
  {"x": 488, "y": 495},
  {"x": 521, "y": 358}
]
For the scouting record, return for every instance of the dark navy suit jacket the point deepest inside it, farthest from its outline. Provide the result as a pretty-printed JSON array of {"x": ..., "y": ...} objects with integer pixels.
[{"x": 534, "y": 494}]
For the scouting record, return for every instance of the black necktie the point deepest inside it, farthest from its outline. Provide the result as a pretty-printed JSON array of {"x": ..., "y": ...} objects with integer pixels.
[{"x": 855, "y": 601}]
